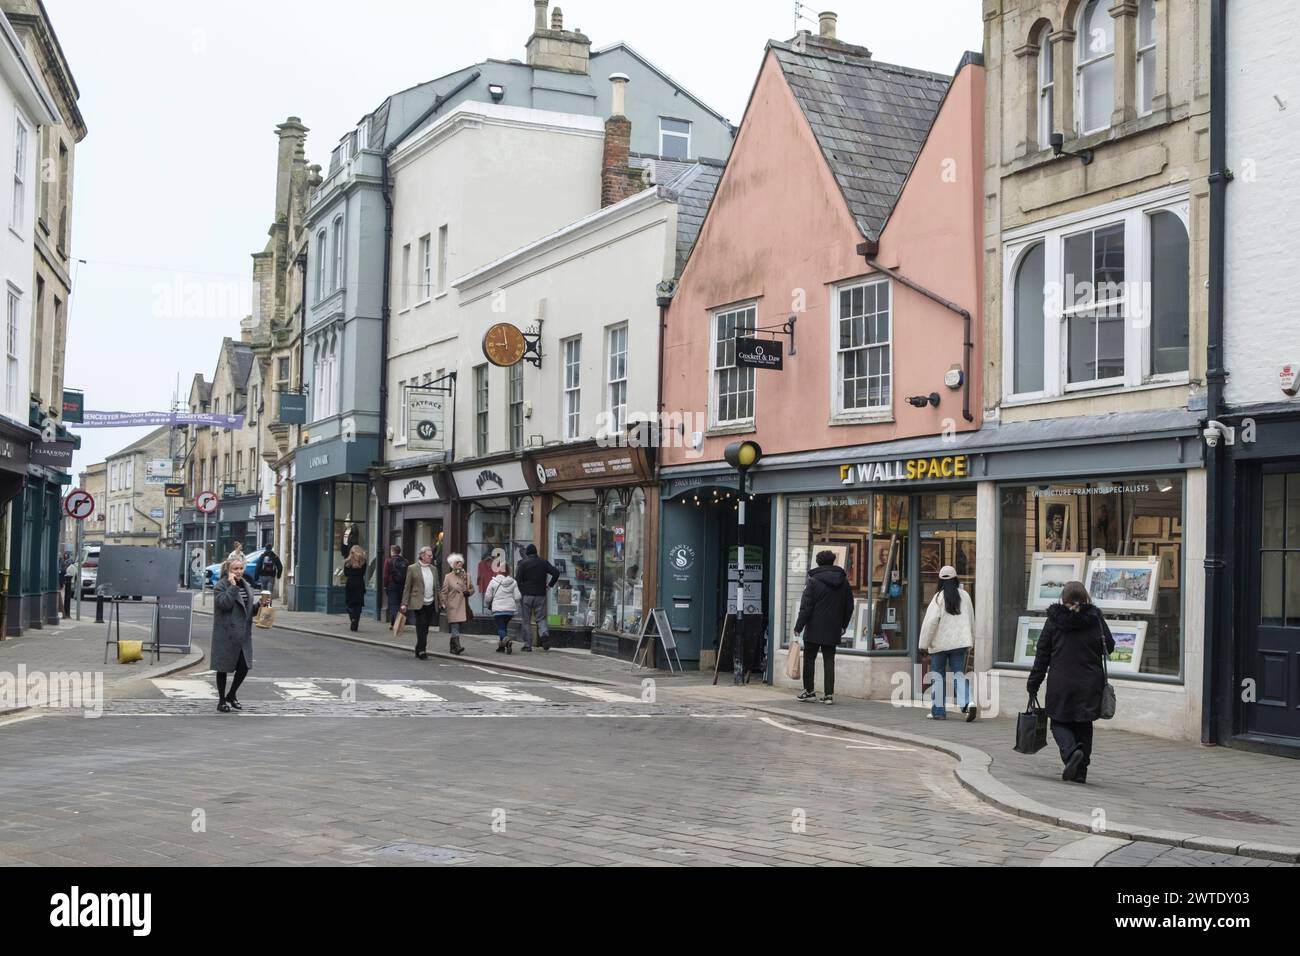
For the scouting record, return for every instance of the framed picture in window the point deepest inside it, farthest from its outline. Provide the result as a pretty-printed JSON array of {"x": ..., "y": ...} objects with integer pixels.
[
  {"x": 1028, "y": 631},
  {"x": 1129, "y": 638},
  {"x": 1058, "y": 523},
  {"x": 1169, "y": 564},
  {"x": 1148, "y": 528},
  {"x": 848, "y": 555},
  {"x": 1051, "y": 573},
  {"x": 931, "y": 557},
  {"x": 1124, "y": 584}
]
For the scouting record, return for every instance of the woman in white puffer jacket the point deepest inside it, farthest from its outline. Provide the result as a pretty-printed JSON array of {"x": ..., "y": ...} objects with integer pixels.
[
  {"x": 502, "y": 599},
  {"x": 948, "y": 634}
]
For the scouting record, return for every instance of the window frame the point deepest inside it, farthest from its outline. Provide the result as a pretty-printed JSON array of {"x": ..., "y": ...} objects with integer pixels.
[
  {"x": 336, "y": 282},
  {"x": 688, "y": 135},
  {"x": 1135, "y": 212},
  {"x": 426, "y": 268},
  {"x": 715, "y": 317},
  {"x": 22, "y": 143},
  {"x": 482, "y": 406},
  {"x": 13, "y": 347},
  {"x": 1046, "y": 86},
  {"x": 322, "y": 252},
  {"x": 571, "y": 388},
  {"x": 1082, "y": 62},
  {"x": 406, "y": 277},
  {"x": 840, "y": 414},
  {"x": 444, "y": 240},
  {"x": 1140, "y": 54},
  {"x": 616, "y": 380}
]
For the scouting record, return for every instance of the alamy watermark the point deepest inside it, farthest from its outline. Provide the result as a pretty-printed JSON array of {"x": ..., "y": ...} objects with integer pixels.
[{"x": 67, "y": 690}]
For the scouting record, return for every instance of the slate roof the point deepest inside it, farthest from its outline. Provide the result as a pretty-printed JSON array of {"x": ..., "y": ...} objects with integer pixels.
[
  {"x": 240, "y": 360},
  {"x": 141, "y": 443},
  {"x": 870, "y": 119},
  {"x": 693, "y": 183}
]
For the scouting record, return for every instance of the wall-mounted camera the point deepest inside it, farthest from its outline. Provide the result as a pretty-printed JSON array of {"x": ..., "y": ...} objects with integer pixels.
[{"x": 1214, "y": 431}]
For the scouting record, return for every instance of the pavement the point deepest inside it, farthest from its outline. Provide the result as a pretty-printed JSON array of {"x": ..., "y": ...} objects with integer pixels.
[{"x": 1168, "y": 793}]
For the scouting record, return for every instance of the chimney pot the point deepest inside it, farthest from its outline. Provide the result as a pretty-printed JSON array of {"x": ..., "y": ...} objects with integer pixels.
[
  {"x": 557, "y": 20},
  {"x": 618, "y": 95},
  {"x": 539, "y": 15},
  {"x": 827, "y": 25}
]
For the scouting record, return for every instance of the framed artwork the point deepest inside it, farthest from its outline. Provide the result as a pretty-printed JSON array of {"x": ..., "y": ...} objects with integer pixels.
[
  {"x": 841, "y": 552},
  {"x": 561, "y": 565},
  {"x": 861, "y": 625},
  {"x": 880, "y": 559},
  {"x": 1129, "y": 638},
  {"x": 1051, "y": 573},
  {"x": 852, "y": 560},
  {"x": 563, "y": 541},
  {"x": 1104, "y": 522},
  {"x": 1124, "y": 584},
  {"x": 890, "y": 568},
  {"x": 1058, "y": 523},
  {"x": 1169, "y": 564},
  {"x": 931, "y": 557},
  {"x": 1148, "y": 528},
  {"x": 964, "y": 559},
  {"x": 963, "y": 506},
  {"x": 1028, "y": 631}
]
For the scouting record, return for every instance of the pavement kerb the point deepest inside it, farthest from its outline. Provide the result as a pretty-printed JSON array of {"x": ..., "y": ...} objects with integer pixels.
[
  {"x": 407, "y": 649},
  {"x": 972, "y": 772}
]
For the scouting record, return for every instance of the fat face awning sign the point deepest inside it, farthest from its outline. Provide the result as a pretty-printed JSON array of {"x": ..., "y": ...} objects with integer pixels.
[
  {"x": 425, "y": 420},
  {"x": 757, "y": 353}
]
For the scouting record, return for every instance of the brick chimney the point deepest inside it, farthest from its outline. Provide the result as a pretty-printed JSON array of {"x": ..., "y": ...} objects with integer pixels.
[
  {"x": 551, "y": 47},
  {"x": 618, "y": 179}
]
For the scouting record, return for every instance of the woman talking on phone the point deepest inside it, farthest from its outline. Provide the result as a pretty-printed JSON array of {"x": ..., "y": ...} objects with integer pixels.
[{"x": 235, "y": 605}]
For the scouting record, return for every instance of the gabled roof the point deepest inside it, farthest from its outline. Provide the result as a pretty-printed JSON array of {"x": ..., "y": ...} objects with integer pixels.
[
  {"x": 239, "y": 356},
  {"x": 144, "y": 442},
  {"x": 667, "y": 79},
  {"x": 869, "y": 118}
]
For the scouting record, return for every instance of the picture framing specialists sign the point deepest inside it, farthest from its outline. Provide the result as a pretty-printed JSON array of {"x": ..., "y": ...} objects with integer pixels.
[{"x": 760, "y": 353}]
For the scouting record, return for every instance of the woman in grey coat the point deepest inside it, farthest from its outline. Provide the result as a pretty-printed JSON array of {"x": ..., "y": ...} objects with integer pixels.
[{"x": 235, "y": 604}]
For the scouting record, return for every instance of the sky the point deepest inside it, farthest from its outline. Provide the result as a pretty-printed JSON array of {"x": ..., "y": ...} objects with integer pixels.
[{"x": 174, "y": 184}]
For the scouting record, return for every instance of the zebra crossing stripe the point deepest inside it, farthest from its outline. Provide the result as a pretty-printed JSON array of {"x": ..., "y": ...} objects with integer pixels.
[
  {"x": 404, "y": 692},
  {"x": 179, "y": 689},
  {"x": 502, "y": 695},
  {"x": 302, "y": 690},
  {"x": 602, "y": 694}
]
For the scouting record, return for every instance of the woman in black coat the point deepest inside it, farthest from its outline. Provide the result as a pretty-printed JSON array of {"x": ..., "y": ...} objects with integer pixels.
[
  {"x": 824, "y": 612},
  {"x": 234, "y": 607},
  {"x": 1071, "y": 647},
  {"x": 354, "y": 584}
]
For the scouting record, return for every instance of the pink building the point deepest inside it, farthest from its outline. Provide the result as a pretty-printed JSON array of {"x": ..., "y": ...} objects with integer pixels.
[{"x": 850, "y": 213}]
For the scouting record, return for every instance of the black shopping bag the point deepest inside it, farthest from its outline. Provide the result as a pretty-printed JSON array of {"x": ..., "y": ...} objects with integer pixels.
[{"x": 1031, "y": 729}]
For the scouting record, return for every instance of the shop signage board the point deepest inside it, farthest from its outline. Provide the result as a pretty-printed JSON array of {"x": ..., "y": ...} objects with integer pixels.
[
  {"x": 590, "y": 466},
  {"x": 412, "y": 490},
  {"x": 157, "y": 471},
  {"x": 658, "y": 617},
  {"x": 174, "y": 489},
  {"x": 487, "y": 481},
  {"x": 759, "y": 353},
  {"x": 934, "y": 468},
  {"x": 52, "y": 454},
  {"x": 74, "y": 407},
  {"x": 292, "y": 408},
  {"x": 156, "y": 513},
  {"x": 426, "y": 420},
  {"x": 175, "y": 621}
]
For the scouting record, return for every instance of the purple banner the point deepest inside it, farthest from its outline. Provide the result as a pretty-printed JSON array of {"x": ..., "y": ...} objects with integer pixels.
[{"x": 138, "y": 419}]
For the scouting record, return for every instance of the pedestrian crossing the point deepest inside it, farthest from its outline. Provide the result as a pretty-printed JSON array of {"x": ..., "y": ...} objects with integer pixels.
[{"x": 333, "y": 690}]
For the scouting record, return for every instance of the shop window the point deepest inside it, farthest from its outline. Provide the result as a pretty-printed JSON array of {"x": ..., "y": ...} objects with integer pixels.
[
  {"x": 523, "y": 530},
  {"x": 1279, "y": 558},
  {"x": 574, "y": 549},
  {"x": 489, "y": 538},
  {"x": 1122, "y": 538},
  {"x": 343, "y": 524},
  {"x": 622, "y": 557}
]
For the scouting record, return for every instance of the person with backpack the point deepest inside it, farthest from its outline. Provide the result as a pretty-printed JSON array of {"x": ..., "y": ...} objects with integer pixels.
[
  {"x": 1071, "y": 647},
  {"x": 948, "y": 634},
  {"x": 501, "y": 600},
  {"x": 395, "y": 567},
  {"x": 824, "y": 612}
]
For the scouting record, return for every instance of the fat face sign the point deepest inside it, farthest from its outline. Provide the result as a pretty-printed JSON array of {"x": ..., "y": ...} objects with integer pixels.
[
  {"x": 409, "y": 491},
  {"x": 503, "y": 478},
  {"x": 941, "y": 468},
  {"x": 424, "y": 413}
]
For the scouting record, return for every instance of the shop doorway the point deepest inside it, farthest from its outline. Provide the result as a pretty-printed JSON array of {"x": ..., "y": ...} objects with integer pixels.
[
  {"x": 1272, "y": 645},
  {"x": 940, "y": 544}
]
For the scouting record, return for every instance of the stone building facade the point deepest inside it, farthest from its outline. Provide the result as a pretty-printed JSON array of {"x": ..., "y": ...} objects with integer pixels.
[{"x": 135, "y": 509}]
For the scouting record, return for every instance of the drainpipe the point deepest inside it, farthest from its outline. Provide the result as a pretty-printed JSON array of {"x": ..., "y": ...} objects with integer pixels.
[
  {"x": 1217, "y": 704},
  {"x": 869, "y": 250}
]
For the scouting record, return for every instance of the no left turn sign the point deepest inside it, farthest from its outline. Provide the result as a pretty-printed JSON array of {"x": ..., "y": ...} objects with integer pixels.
[
  {"x": 206, "y": 502},
  {"x": 79, "y": 504}
]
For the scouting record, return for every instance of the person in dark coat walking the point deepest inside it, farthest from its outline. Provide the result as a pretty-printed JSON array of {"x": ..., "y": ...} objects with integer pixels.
[
  {"x": 824, "y": 612},
  {"x": 269, "y": 569},
  {"x": 1070, "y": 648},
  {"x": 234, "y": 607},
  {"x": 354, "y": 584},
  {"x": 535, "y": 576},
  {"x": 395, "y": 568}
]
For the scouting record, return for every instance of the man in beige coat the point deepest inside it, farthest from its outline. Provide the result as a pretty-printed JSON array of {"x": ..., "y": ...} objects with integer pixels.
[{"x": 420, "y": 599}]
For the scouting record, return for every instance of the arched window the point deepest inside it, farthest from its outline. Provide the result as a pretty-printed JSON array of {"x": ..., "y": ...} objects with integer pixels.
[
  {"x": 1095, "y": 70},
  {"x": 317, "y": 383},
  {"x": 338, "y": 255},
  {"x": 1170, "y": 294},
  {"x": 1046, "y": 86},
  {"x": 321, "y": 254},
  {"x": 1030, "y": 323},
  {"x": 1146, "y": 55}
]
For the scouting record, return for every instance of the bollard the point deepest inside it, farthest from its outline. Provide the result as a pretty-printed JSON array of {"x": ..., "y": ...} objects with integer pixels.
[{"x": 99, "y": 609}]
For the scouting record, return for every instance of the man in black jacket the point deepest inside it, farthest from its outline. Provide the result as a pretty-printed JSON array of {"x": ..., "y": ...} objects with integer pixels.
[
  {"x": 535, "y": 576},
  {"x": 824, "y": 612}
]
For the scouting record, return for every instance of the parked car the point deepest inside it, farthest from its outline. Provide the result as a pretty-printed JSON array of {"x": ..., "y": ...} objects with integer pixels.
[
  {"x": 89, "y": 570},
  {"x": 252, "y": 563}
]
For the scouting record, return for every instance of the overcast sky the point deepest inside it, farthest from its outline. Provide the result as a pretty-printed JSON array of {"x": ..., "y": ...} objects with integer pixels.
[{"x": 174, "y": 183}]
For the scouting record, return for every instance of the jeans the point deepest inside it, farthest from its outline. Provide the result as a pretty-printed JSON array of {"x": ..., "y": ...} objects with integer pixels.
[
  {"x": 810, "y": 666},
  {"x": 1070, "y": 736},
  {"x": 533, "y": 607},
  {"x": 503, "y": 621},
  {"x": 941, "y": 664},
  {"x": 423, "y": 618},
  {"x": 394, "y": 603}
]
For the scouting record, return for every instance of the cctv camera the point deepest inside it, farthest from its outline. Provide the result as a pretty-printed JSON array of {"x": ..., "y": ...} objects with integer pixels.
[
  {"x": 1211, "y": 437},
  {"x": 1216, "y": 430}
]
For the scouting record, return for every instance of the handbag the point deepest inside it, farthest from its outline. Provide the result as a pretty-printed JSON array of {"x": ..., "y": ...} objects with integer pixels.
[
  {"x": 399, "y": 622},
  {"x": 1108, "y": 689},
  {"x": 794, "y": 660},
  {"x": 1031, "y": 728}
]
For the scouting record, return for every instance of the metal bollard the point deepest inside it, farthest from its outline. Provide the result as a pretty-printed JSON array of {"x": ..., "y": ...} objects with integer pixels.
[{"x": 99, "y": 609}]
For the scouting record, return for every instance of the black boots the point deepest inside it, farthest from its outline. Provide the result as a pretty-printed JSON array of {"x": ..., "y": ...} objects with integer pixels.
[{"x": 455, "y": 646}]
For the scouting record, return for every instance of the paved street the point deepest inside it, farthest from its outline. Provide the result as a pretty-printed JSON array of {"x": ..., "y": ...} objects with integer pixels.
[{"x": 348, "y": 754}]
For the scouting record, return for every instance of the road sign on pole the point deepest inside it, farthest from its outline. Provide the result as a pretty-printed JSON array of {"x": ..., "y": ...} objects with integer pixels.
[
  {"x": 206, "y": 502},
  {"x": 79, "y": 504}
]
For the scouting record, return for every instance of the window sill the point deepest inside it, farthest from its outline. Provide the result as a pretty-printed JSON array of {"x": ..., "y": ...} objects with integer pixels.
[
  {"x": 442, "y": 294},
  {"x": 1150, "y": 386},
  {"x": 731, "y": 428},
  {"x": 885, "y": 417},
  {"x": 423, "y": 302},
  {"x": 18, "y": 235}
]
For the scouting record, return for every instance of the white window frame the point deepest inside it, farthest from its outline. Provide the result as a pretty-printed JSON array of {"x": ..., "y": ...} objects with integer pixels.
[
  {"x": 337, "y": 282},
  {"x": 482, "y": 409},
  {"x": 1135, "y": 212},
  {"x": 406, "y": 277},
  {"x": 1046, "y": 87},
  {"x": 674, "y": 134},
  {"x": 444, "y": 239},
  {"x": 1082, "y": 61},
  {"x": 426, "y": 267},
  {"x": 616, "y": 384},
  {"x": 22, "y": 138},
  {"x": 515, "y": 406},
  {"x": 13, "y": 349},
  {"x": 840, "y": 414},
  {"x": 322, "y": 256},
  {"x": 571, "y": 388},
  {"x": 1149, "y": 50},
  {"x": 400, "y": 438},
  {"x": 715, "y": 319}
]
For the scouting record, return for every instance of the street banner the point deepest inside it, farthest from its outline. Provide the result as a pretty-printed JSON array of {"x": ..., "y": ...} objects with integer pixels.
[
  {"x": 425, "y": 422},
  {"x": 145, "y": 419}
]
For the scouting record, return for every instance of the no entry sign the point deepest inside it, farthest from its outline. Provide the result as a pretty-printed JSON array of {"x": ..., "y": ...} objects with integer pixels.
[
  {"x": 79, "y": 504},
  {"x": 206, "y": 502}
]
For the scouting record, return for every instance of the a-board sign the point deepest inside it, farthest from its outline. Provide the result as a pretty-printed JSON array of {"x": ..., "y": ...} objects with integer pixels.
[
  {"x": 665, "y": 629},
  {"x": 126, "y": 571},
  {"x": 176, "y": 621},
  {"x": 659, "y": 620}
]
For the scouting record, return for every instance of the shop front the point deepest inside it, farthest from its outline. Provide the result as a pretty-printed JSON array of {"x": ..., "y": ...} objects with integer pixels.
[
  {"x": 495, "y": 520},
  {"x": 594, "y": 517},
  {"x": 31, "y": 506},
  {"x": 238, "y": 522},
  {"x": 1017, "y": 515},
  {"x": 337, "y": 509},
  {"x": 417, "y": 515},
  {"x": 199, "y": 542}
]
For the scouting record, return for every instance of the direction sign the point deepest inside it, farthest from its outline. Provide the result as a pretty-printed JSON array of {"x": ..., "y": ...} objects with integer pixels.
[
  {"x": 206, "y": 502},
  {"x": 79, "y": 504}
]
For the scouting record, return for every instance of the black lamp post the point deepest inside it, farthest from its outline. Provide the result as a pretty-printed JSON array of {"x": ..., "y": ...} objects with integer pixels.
[{"x": 741, "y": 456}]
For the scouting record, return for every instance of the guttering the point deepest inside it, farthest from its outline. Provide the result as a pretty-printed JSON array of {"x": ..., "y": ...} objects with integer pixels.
[
  {"x": 869, "y": 250},
  {"x": 1217, "y": 713}
]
